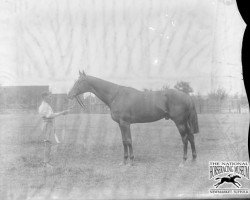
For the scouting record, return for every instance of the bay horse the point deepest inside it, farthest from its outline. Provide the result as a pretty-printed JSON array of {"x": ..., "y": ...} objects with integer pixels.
[{"x": 128, "y": 106}]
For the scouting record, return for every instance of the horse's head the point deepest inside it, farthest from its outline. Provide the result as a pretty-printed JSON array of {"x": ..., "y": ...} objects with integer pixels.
[
  {"x": 236, "y": 176},
  {"x": 233, "y": 176},
  {"x": 80, "y": 86}
]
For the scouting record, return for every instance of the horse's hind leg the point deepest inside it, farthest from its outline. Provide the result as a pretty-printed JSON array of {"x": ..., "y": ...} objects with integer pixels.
[
  {"x": 236, "y": 185},
  {"x": 191, "y": 140},
  {"x": 184, "y": 137},
  {"x": 217, "y": 185}
]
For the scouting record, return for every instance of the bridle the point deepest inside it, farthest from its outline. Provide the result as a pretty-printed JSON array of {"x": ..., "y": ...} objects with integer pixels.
[
  {"x": 82, "y": 104},
  {"x": 80, "y": 101},
  {"x": 78, "y": 97}
]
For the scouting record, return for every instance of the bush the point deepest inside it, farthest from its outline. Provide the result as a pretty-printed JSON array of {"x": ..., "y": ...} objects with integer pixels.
[{"x": 184, "y": 87}]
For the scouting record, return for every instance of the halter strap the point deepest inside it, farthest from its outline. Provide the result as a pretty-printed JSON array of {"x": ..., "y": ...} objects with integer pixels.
[{"x": 80, "y": 102}]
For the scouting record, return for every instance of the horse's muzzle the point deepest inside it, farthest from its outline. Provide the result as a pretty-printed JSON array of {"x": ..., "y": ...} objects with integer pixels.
[{"x": 70, "y": 96}]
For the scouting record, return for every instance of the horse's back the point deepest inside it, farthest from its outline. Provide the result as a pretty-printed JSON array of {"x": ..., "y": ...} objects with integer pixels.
[
  {"x": 139, "y": 107},
  {"x": 178, "y": 97}
]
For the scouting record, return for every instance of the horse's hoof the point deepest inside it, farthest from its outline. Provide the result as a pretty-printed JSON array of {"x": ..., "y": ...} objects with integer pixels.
[
  {"x": 182, "y": 164},
  {"x": 131, "y": 164},
  {"x": 123, "y": 163}
]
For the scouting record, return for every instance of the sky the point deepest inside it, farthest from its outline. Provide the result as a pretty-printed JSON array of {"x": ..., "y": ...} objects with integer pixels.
[{"x": 141, "y": 44}]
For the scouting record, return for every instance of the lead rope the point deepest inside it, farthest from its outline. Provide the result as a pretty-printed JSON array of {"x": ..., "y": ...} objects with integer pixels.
[
  {"x": 69, "y": 107},
  {"x": 64, "y": 160},
  {"x": 64, "y": 128},
  {"x": 65, "y": 122}
]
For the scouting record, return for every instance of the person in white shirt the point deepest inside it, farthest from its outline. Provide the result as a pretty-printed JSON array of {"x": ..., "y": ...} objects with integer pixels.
[{"x": 48, "y": 116}]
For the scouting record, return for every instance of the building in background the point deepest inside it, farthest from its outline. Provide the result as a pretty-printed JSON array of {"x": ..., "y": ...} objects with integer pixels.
[{"x": 21, "y": 97}]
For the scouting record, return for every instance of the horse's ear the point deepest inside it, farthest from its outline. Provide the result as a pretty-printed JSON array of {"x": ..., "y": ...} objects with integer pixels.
[{"x": 83, "y": 73}]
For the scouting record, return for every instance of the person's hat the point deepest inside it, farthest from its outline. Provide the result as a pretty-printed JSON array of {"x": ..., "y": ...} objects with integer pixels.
[{"x": 45, "y": 94}]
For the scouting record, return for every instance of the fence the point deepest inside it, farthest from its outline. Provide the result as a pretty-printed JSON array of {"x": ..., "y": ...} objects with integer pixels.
[{"x": 225, "y": 106}]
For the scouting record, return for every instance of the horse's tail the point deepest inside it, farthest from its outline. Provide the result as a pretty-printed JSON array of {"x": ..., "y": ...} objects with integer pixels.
[{"x": 193, "y": 120}]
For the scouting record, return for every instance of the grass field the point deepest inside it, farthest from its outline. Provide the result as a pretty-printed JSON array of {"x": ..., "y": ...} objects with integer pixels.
[{"x": 87, "y": 163}]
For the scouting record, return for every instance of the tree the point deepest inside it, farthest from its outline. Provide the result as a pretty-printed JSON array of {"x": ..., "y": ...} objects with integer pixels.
[
  {"x": 184, "y": 87},
  {"x": 200, "y": 101},
  {"x": 147, "y": 90},
  {"x": 165, "y": 87},
  {"x": 219, "y": 95},
  {"x": 234, "y": 96},
  {"x": 47, "y": 40},
  {"x": 244, "y": 100}
]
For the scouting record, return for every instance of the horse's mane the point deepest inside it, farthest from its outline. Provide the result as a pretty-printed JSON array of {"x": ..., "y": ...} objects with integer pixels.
[{"x": 101, "y": 81}]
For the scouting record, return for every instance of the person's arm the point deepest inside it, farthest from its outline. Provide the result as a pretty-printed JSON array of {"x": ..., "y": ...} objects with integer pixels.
[
  {"x": 54, "y": 115},
  {"x": 48, "y": 113}
]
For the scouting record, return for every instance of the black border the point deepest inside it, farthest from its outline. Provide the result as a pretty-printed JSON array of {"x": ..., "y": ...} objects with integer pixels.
[{"x": 244, "y": 8}]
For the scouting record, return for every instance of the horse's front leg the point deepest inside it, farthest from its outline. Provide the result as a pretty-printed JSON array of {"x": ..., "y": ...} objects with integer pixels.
[
  {"x": 130, "y": 147},
  {"x": 236, "y": 184},
  {"x": 127, "y": 141},
  {"x": 217, "y": 185}
]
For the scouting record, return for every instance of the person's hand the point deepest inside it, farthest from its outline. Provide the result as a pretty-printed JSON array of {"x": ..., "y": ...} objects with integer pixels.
[{"x": 65, "y": 112}]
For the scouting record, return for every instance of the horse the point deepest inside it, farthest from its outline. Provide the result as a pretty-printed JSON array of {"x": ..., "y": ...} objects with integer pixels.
[
  {"x": 229, "y": 179},
  {"x": 128, "y": 106}
]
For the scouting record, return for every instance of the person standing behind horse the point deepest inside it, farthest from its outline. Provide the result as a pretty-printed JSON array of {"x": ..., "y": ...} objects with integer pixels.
[{"x": 50, "y": 139}]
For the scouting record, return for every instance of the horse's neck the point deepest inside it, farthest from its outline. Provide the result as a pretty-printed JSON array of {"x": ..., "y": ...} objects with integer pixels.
[{"x": 104, "y": 90}]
